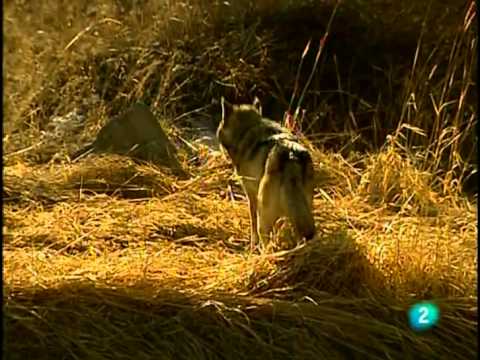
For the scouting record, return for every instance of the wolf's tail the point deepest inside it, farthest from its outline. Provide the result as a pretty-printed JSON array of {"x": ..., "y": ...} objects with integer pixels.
[{"x": 298, "y": 207}]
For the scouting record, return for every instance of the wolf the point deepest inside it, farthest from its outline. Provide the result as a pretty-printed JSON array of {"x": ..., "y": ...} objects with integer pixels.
[{"x": 276, "y": 171}]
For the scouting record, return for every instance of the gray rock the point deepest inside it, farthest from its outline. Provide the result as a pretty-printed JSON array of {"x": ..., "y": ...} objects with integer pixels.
[{"x": 138, "y": 134}]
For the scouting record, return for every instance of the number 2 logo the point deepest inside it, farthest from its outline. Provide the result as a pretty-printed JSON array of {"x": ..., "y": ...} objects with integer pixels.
[{"x": 423, "y": 316}]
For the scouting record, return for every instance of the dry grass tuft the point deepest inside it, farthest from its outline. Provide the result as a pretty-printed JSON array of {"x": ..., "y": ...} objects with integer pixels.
[{"x": 393, "y": 181}]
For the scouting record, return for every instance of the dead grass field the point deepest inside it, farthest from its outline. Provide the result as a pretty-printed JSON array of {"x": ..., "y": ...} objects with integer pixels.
[{"x": 106, "y": 258}]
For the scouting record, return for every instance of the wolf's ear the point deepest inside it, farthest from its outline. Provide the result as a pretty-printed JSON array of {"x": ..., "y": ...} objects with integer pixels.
[
  {"x": 227, "y": 108},
  {"x": 257, "y": 105}
]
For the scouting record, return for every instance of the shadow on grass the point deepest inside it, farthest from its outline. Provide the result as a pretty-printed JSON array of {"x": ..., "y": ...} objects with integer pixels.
[
  {"x": 84, "y": 321},
  {"x": 332, "y": 262}
]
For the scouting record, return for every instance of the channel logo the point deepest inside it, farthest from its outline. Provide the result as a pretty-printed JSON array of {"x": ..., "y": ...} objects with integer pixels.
[{"x": 423, "y": 316}]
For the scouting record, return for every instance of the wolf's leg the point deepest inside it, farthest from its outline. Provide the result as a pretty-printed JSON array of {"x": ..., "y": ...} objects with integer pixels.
[
  {"x": 308, "y": 181},
  {"x": 252, "y": 203}
]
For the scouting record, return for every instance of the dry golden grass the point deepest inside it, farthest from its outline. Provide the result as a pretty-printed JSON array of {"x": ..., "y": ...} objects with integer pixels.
[
  {"x": 184, "y": 250},
  {"x": 107, "y": 258}
]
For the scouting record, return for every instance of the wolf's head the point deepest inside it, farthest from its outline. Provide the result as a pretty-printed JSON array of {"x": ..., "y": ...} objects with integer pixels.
[{"x": 236, "y": 119}]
